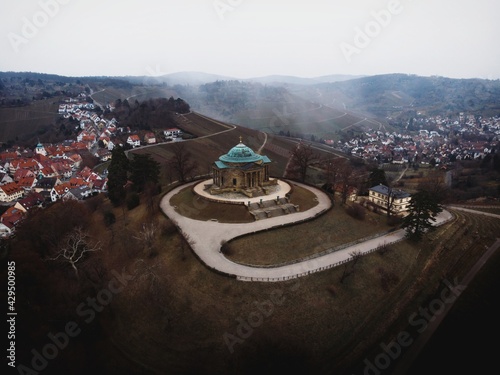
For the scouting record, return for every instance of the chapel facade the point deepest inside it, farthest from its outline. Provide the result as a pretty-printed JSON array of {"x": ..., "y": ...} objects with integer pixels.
[{"x": 242, "y": 170}]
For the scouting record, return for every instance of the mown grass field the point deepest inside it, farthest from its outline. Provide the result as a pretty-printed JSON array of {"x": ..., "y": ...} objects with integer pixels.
[{"x": 332, "y": 229}]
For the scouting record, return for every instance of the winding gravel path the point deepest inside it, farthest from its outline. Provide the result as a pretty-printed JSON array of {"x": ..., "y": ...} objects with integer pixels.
[{"x": 207, "y": 237}]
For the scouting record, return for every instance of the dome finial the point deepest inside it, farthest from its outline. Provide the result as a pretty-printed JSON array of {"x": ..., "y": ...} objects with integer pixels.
[{"x": 241, "y": 139}]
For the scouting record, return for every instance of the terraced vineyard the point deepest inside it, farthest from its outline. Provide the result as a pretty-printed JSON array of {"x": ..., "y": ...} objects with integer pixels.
[
  {"x": 443, "y": 256},
  {"x": 28, "y": 121}
]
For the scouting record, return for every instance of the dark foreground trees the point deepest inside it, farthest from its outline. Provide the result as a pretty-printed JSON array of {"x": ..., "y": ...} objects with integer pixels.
[
  {"x": 117, "y": 176},
  {"x": 423, "y": 210},
  {"x": 142, "y": 170}
]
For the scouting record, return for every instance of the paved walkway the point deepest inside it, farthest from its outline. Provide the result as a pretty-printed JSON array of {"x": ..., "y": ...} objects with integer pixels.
[
  {"x": 284, "y": 189},
  {"x": 463, "y": 208},
  {"x": 208, "y": 236}
]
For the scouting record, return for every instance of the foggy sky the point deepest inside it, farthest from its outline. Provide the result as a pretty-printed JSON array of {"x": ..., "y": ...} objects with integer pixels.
[{"x": 250, "y": 38}]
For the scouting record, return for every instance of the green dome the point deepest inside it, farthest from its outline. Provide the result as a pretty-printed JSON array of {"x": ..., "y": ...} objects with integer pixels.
[{"x": 241, "y": 154}]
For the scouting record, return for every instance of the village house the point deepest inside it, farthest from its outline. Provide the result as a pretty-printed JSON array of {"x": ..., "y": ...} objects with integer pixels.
[
  {"x": 5, "y": 178},
  {"x": 26, "y": 204},
  {"x": 149, "y": 138},
  {"x": 27, "y": 183},
  {"x": 134, "y": 140},
  {"x": 10, "y": 192},
  {"x": 381, "y": 195},
  {"x": 99, "y": 186},
  {"x": 103, "y": 154},
  {"x": 58, "y": 191},
  {"x": 23, "y": 173},
  {"x": 46, "y": 184},
  {"x": 6, "y": 229},
  {"x": 8, "y": 221},
  {"x": 172, "y": 133},
  {"x": 78, "y": 193},
  {"x": 76, "y": 181}
]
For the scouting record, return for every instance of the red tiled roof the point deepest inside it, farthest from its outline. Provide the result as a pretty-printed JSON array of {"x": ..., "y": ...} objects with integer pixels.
[{"x": 10, "y": 188}]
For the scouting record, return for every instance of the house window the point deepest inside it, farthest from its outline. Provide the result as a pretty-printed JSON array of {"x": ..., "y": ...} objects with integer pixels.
[{"x": 234, "y": 181}]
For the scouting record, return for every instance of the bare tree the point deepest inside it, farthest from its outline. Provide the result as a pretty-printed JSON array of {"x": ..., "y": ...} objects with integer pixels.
[
  {"x": 147, "y": 237},
  {"x": 181, "y": 163},
  {"x": 355, "y": 256},
  {"x": 435, "y": 184},
  {"x": 300, "y": 159},
  {"x": 75, "y": 247},
  {"x": 346, "y": 178},
  {"x": 340, "y": 177},
  {"x": 146, "y": 271},
  {"x": 391, "y": 197}
]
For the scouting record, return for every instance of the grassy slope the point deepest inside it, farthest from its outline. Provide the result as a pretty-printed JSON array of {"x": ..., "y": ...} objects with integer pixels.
[
  {"x": 321, "y": 321},
  {"x": 206, "y": 150},
  {"x": 296, "y": 242}
]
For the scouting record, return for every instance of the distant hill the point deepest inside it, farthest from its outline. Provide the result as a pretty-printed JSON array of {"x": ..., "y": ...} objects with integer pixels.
[
  {"x": 274, "y": 109},
  {"x": 324, "y": 107},
  {"x": 200, "y": 78},
  {"x": 279, "y": 79},
  {"x": 385, "y": 95},
  {"x": 336, "y": 78},
  {"x": 192, "y": 78}
]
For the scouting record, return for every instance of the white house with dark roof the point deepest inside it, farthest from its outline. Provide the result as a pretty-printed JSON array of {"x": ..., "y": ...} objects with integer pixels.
[{"x": 400, "y": 200}]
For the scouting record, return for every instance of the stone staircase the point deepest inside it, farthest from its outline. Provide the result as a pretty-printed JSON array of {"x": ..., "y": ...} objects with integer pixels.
[{"x": 272, "y": 208}]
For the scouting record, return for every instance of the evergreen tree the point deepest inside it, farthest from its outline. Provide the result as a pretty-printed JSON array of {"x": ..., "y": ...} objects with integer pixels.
[
  {"x": 423, "y": 209},
  {"x": 144, "y": 169},
  {"x": 117, "y": 176}
]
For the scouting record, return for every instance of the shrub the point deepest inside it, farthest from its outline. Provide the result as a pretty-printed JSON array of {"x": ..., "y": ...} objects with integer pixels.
[
  {"x": 226, "y": 248},
  {"x": 383, "y": 249},
  {"x": 356, "y": 211}
]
